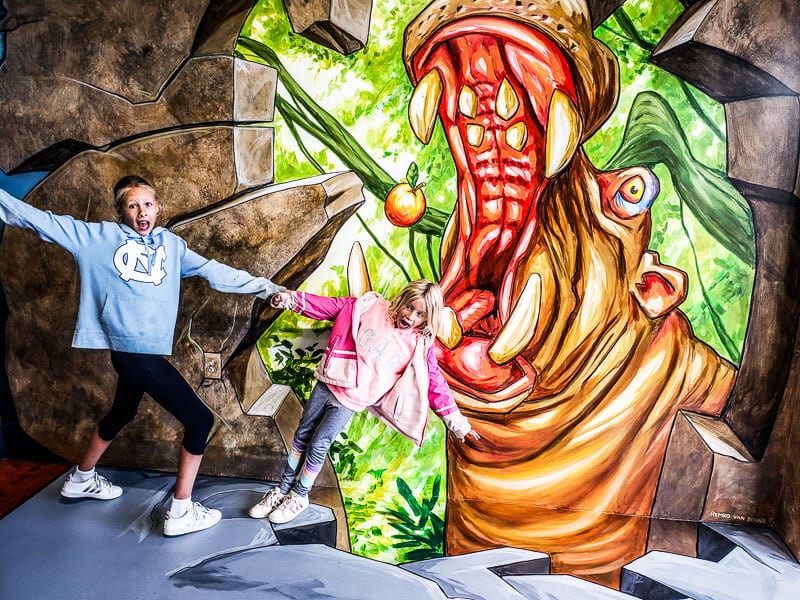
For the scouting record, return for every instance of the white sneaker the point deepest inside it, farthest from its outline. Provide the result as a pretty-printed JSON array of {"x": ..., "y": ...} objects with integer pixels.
[
  {"x": 291, "y": 506},
  {"x": 197, "y": 518},
  {"x": 267, "y": 504},
  {"x": 97, "y": 487}
]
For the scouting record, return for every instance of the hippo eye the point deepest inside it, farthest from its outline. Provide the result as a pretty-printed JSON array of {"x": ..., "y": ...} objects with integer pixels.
[
  {"x": 633, "y": 189},
  {"x": 635, "y": 195}
]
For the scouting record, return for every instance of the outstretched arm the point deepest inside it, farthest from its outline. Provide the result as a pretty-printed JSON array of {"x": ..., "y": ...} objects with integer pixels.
[
  {"x": 321, "y": 308},
  {"x": 443, "y": 404},
  {"x": 224, "y": 278},
  {"x": 63, "y": 230}
]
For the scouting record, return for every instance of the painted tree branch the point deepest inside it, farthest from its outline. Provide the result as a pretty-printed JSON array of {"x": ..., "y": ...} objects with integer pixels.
[{"x": 315, "y": 120}]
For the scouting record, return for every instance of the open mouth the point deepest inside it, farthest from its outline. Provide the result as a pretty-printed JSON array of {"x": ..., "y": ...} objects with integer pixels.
[
  {"x": 506, "y": 98},
  {"x": 142, "y": 225}
]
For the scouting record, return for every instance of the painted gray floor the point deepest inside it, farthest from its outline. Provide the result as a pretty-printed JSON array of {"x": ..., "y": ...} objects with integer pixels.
[
  {"x": 51, "y": 549},
  {"x": 733, "y": 562}
]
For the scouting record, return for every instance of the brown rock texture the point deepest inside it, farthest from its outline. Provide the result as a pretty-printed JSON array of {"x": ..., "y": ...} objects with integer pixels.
[{"x": 90, "y": 94}]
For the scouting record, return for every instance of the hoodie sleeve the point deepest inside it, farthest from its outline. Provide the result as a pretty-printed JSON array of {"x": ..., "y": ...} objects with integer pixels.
[
  {"x": 321, "y": 308},
  {"x": 441, "y": 400},
  {"x": 223, "y": 278},
  {"x": 66, "y": 231}
]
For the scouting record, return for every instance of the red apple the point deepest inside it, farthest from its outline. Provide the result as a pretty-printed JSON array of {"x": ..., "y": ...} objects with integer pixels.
[{"x": 405, "y": 205}]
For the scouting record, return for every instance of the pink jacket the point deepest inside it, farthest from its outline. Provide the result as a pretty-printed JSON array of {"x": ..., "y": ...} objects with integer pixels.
[{"x": 404, "y": 407}]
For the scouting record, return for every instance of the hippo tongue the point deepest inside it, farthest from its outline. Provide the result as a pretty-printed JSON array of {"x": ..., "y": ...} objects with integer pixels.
[{"x": 493, "y": 90}]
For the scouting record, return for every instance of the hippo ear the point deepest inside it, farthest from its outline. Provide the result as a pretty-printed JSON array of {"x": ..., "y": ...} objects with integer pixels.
[{"x": 660, "y": 288}]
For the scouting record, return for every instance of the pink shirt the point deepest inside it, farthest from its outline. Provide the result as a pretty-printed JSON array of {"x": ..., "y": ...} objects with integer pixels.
[{"x": 383, "y": 353}]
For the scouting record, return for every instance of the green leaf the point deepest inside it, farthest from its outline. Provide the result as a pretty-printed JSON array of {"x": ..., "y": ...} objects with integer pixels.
[
  {"x": 437, "y": 524},
  {"x": 409, "y": 544},
  {"x": 412, "y": 175},
  {"x": 653, "y": 135},
  {"x": 422, "y": 554},
  {"x": 437, "y": 483},
  {"x": 406, "y": 492},
  {"x": 403, "y": 517}
]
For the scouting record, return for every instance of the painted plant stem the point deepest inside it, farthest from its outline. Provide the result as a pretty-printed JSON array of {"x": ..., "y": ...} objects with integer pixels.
[
  {"x": 325, "y": 128},
  {"x": 631, "y": 34},
  {"x": 699, "y": 110},
  {"x": 412, "y": 248},
  {"x": 284, "y": 108},
  {"x": 383, "y": 248},
  {"x": 336, "y": 137},
  {"x": 431, "y": 259}
]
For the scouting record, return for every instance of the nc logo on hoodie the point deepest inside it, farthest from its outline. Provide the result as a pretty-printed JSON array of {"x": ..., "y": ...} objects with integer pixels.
[{"x": 132, "y": 261}]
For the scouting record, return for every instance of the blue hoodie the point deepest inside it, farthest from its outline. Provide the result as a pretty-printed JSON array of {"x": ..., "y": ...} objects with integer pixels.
[{"x": 130, "y": 284}]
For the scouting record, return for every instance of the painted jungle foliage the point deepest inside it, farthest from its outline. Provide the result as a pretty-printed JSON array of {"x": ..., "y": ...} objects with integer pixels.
[{"x": 596, "y": 263}]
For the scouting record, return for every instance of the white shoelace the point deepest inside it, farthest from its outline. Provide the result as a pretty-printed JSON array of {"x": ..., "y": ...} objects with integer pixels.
[
  {"x": 96, "y": 484},
  {"x": 199, "y": 512},
  {"x": 292, "y": 503},
  {"x": 269, "y": 497}
]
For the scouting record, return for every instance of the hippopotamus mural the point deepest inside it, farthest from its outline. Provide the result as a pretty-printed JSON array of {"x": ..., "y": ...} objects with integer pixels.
[{"x": 564, "y": 344}]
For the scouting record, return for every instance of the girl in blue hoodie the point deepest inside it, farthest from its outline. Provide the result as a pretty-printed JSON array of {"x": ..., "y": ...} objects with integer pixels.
[{"x": 130, "y": 275}]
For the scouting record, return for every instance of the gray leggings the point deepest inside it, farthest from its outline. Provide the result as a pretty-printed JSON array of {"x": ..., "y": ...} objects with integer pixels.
[{"x": 323, "y": 419}]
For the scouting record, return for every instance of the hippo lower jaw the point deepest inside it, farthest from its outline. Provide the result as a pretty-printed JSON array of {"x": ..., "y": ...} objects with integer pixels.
[{"x": 506, "y": 99}]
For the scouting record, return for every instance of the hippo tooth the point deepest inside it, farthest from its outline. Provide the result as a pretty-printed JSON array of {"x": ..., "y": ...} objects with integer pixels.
[
  {"x": 564, "y": 130},
  {"x": 517, "y": 135},
  {"x": 518, "y": 331},
  {"x": 450, "y": 332},
  {"x": 475, "y": 134},
  {"x": 424, "y": 104},
  {"x": 358, "y": 281},
  {"x": 448, "y": 240},
  {"x": 507, "y": 101},
  {"x": 468, "y": 102}
]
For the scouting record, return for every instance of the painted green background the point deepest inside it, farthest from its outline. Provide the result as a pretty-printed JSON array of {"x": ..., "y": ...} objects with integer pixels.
[{"x": 338, "y": 112}]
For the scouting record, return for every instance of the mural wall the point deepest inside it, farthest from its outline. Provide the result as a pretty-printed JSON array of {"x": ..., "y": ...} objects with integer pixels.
[{"x": 605, "y": 191}]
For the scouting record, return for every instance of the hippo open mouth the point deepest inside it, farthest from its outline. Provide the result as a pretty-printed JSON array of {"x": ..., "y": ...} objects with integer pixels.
[{"x": 505, "y": 95}]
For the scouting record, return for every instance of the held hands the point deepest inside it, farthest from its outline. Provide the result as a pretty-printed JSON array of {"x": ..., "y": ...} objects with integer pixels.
[{"x": 284, "y": 300}]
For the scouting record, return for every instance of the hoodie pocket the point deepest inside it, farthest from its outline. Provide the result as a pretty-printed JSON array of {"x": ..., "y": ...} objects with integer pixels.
[
  {"x": 330, "y": 349},
  {"x": 126, "y": 317}
]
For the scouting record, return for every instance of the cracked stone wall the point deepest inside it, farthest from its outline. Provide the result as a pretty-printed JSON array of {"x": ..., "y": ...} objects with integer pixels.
[
  {"x": 745, "y": 55},
  {"x": 89, "y": 97},
  {"x": 169, "y": 100}
]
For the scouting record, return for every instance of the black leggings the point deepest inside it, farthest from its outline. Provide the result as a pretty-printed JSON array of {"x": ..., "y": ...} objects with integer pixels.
[{"x": 140, "y": 373}]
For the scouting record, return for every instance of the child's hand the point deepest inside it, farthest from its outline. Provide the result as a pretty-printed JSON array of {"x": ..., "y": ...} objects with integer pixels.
[
  {"x": 472, "y": 435},
  {"x": 283, "y": 300}
]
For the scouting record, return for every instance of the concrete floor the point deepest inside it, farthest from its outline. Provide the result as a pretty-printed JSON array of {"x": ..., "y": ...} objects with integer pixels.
[{"x": 51, "y": 548}]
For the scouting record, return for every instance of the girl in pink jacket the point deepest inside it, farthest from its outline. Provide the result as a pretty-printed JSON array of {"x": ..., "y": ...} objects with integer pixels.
[{"x": 380, "y": 357}]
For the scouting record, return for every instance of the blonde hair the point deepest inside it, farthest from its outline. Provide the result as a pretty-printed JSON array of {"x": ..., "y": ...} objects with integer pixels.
[
  {"x": 431, "y": 296},
  {"x": 123, "y": 187}
]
